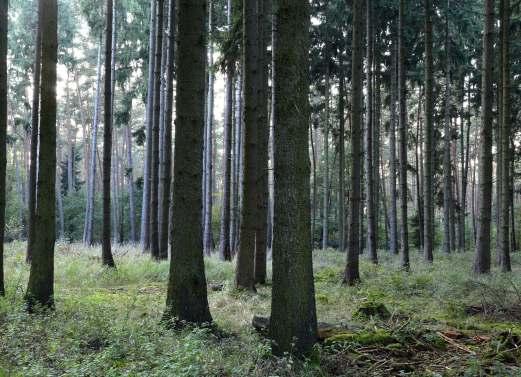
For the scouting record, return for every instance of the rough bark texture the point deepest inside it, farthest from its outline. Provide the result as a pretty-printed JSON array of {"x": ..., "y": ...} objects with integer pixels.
[
  {"x": 402, "y": 95},
  {"x": 504, "y": 218},
  {"x": 482, "y": 257},
  {"x": 428, "y": 197},
  {"x": 293, "y": 324},
  {"x": 166, "y": 175},
  {"x": 145, "y": 210},
  {"x": 245, "y": 271},
  {"x": 35, "y": 118},
  {"x": 187, "y": 298},
  {"x": 352, "y": 271},
  {"x": 106, "y": 251},
  {"x": 3, "y": 131},
  {"x": 154, "y": 177},
  {"x": 40, "y": 289}
]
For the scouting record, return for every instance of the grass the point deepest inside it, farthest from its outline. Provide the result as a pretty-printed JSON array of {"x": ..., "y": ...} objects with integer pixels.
[{"x": 444, "y": 321}]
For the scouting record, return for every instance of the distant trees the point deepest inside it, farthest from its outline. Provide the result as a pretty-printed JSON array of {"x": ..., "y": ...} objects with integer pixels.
[
  {"x": 293, "y": 324},
  {"x": 40, "y": 289},
  {"x": 187, "y": 298},
  {"x": 3, "y": 131}
]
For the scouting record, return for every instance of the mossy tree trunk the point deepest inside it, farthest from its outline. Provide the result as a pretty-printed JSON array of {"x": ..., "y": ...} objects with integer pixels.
[
  {"x": 40, "y": 289},
  {"x": 293, "y": 325},
  {"x": 187, "y": 298}
]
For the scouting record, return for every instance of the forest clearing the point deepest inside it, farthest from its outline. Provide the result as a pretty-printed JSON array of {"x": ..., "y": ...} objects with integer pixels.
[{"x": 438, "y": 320}]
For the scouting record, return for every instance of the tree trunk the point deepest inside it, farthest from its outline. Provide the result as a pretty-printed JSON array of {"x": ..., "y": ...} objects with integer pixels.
[
  {"x": 293, "y": 325},
  {"x": 245, "y": 271},
  {"x": 187, "y": 298},
  {"x": 341, "y": 160},
  {"x": 402, "y": 94},
  {"x": 325, "y": 205},
  {"x": 91, "y": 186},
  {"x": 166, "y": 175},
  {"x": 393, "y": 213},
  {"x": 107, "y": 258},
  {"x": 40, "y": 289},
  {"x": 369, "y": 145},
  {"x": 352, "y": 272},
  {"x": 130, "y": 183},
  {"x": 3, "y": 132},
  {"x": 33, "y": 169},
  {"x": 482, "y": 257},
  {"x": 145, "y": 210},
  {"x": 504, "y": 184}
]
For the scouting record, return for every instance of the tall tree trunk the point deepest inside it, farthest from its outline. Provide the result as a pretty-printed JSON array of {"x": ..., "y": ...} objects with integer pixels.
[
  {"x": 35, "y": 117},
  {"x": 245, "y": 271},
  {"x": 293, "y": 325},
  {"x": 464, "y": 141},
  {"x": 209, "y": 150},
  {"x": 352, "y": 272},
  {"x": 145, "y": 208},
  {"x": 325, "y": 205},
  {"x": 154, "y": 177},
  {"x": 418, "y": 164},
  {"x": 91, "y": 186},
  {"x": 482, "y": 257},
  {"x": 3, "y": 132},
  {"x": 237, "y": 171},
  {"x": 40, "y": 289},
  {"x": 106, "y": 252},
  {"x": 166, "y": 175},
  {"x": 504, "y": 184},
  {"x": 393, "y": 213},
  {"x": 341, "y": 159},
  {"x": 130, "y": 183},
  {"x": 369, "y": 145},
  {"x": 187, "y": 299},
  {"x": 402, "y": 96},
  {"x": 59, "y": 199},
  {"x": 263, "y": 136}
]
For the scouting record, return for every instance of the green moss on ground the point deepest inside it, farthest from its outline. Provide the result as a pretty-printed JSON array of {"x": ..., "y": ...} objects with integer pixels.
[{"x": 107, "y": 323}]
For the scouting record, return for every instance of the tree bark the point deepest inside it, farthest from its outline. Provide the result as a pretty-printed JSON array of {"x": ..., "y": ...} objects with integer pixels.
[
  {"x": 293, "y": 324},
  {"x": 40, "y": 289},
  {"x": 482, "y": 256},
  {"x": 187, "y": 298},
  {"x": 325, "y": 205},
  {"x": 341, "y": 160},
  {"x": 393, "y": 213},
  {"x": 352, "y": 272}
]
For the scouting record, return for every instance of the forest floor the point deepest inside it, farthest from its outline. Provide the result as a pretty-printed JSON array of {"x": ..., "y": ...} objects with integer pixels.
[{"x": 437, "y": 320}]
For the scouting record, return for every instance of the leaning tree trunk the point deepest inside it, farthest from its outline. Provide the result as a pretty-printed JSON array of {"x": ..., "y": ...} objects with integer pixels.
[
  {"x": 3, "y": 132},
  {"x": 187, "y": 299},
  {"x": 293, "y": 325},
  {"x": 504, "y": 184},
  {"x": 106, "y": 252},
  {"x": 145, "y": 208},
  {"x": 40, "y": 289},
  {"x": 245, "y": 270},
  {"x": 402, "y": 95},
  {"x": 352, "y": 271},
  {"x": 34, "y": 140},
  {"x": 482, "y": 257}
]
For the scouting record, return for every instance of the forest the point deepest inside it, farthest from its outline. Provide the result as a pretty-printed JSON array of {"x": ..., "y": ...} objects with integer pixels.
[{"x": 265, "y": 188}]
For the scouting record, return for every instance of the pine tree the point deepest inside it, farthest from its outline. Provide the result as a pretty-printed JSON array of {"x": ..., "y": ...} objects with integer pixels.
[{"x": 3, "y": 131}]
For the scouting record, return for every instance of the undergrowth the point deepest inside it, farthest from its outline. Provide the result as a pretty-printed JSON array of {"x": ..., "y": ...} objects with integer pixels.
[{"x": 107, "y": 323}]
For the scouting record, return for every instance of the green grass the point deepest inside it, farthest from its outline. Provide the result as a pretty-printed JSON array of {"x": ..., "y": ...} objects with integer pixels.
[{"x": 107, "y": 323}]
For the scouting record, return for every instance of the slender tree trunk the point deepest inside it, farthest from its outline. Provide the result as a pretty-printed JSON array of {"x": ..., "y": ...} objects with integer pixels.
[
  {"x": 341, "y": 162},
  {"x": 482, "y": 257},
  {"x": 35, "y": 117},
  {"x": 3, "y": 132},
  {"x": 145, "y": 211},
  {"x": 91, "y": 186},
  {"x": 245, "y": 271},
  {"x": 59, "y": 199},
  {"x": 187, "y": 299},
  {"x": 40, "y": 289},
  {"x": 107, "y": 258},
  {"x": 393, "y": 215},
  {"x": 402, "y": 94},
  {"x": 369, "y": 145},
  {"x": 504, "y": 184},
  {"x": 314, "y": 197},
  {"x": 325, "y": 206},
  {"x": 166, "y": 174},
  {"x": 419, "y": 177},
  {"x": 154, "y": 177},
  {"x": 130, "y": 182},
  {"x": 293, "y": 325},
  {"x": 352, "y": 272}
]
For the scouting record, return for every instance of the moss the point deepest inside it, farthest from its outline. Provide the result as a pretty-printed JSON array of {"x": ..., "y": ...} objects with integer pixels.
[
  {"x": 365, "y": 338},
  {"x": 372, "y": 309}
]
